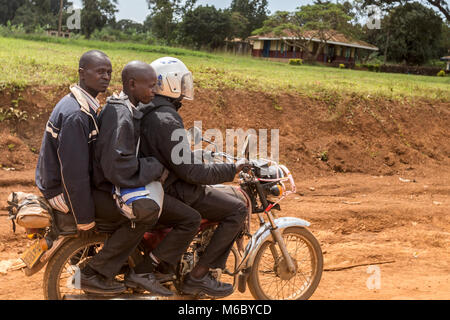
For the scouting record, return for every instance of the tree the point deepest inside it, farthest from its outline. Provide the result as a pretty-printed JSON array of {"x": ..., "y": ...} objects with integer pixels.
[
  {"x": 35, "y": 13},
  {"x": 96, "y": 14},
  {"x": 445, "y": 40},
  {"x": 148, "y": 24},
  {"x": 165, "y": 15},
  {"x": 411, "y": 40},
  {"x": 321, "y": 20},
  {"x": 205, "y": 26},
  {"x": 239, "y": 25},
  {"x": 255, "y": 13},
  {"x": 441, "y": 5},
  {"x": 129, "y": 26},
  {"x": 8, "y": 10}
]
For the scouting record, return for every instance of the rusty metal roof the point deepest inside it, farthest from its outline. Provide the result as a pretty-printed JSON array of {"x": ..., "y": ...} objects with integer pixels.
[{"x": 334, "y": 37}]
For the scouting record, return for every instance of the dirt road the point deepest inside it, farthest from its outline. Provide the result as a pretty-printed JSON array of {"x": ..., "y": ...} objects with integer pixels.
[
  {"x": 373, "y": 179},
  {"x": 360, "y": 220}
]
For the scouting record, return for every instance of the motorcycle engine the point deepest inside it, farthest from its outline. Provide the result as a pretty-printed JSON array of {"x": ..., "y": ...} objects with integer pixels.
[{"x": 195, "y": 251}]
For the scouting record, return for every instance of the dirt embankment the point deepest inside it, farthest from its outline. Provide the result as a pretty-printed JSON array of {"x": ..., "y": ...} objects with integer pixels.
[
  {"x": 317, "y": 136},
  {"x": 372, "y": 178}
]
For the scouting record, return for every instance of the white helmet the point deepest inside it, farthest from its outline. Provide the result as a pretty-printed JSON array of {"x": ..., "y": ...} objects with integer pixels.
[{"x": 174, "y": 78}]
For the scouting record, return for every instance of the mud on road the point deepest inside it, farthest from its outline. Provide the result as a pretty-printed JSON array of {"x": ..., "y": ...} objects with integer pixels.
[{"x": 360, "y": 220}]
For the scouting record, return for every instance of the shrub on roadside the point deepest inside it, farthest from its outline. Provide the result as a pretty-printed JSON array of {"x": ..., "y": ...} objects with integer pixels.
[
  {"x": 441, "y": 73},
  {"x": 341, "y": 66},
  {"x": 372, "y": 67},
  {"x": 296, "y": 62}
]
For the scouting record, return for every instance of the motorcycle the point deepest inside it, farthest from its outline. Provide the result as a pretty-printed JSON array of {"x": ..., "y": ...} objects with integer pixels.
[{"x": 281, "y": 260}]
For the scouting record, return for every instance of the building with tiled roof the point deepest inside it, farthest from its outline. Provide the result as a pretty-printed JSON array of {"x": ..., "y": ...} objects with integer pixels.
[{"x": 338, "y": 47}]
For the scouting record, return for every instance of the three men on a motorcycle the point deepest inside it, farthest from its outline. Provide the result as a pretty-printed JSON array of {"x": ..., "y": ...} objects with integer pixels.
[{"x": 66, "y": 167}]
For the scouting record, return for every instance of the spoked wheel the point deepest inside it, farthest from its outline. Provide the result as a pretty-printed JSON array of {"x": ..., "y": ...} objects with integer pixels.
[
  {"x": 62, "y": 275},
  {"x": 270, "y": 278}
]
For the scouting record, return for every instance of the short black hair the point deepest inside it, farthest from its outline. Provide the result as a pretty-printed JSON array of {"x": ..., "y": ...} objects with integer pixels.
[
  {"x": 87, "y": 57},
  {"x": 134, "y": 69}
]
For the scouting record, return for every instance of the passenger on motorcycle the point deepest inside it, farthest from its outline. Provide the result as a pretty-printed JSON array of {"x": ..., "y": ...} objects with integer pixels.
[
  {"x": 137, "y": 189},
  {"x": 186, "y": 193},
  {"x": 64, "y": 174}
]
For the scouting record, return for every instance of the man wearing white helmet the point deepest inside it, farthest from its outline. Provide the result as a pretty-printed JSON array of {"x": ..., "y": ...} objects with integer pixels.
[{"x": 185, "y": 188}]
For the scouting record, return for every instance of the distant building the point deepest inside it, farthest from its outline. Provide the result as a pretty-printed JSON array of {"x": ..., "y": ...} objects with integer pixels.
[
  {"x": 238, "y": 46},
  {"x": 55, "y": 33},
  {"x": 447, "y": 59},
  {"x": 338, "y": 49}
]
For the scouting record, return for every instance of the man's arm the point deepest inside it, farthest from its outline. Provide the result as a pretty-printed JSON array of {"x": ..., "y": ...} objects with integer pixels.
[
  {"x": 73, "y": 155},
  {"x": 204, "y": 174},
  {"x": 117, "y": 151}
]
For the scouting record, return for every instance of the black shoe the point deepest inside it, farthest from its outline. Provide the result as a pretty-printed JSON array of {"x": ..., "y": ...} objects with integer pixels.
[
  {"x": 165, "y": 277},
  {"x": 97, "y": 284},
  {"x": 146, "y": 281},
  {"x": 207, "y": 285}
]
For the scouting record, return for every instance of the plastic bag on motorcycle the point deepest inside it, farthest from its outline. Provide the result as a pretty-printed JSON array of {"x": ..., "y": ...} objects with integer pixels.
[{"x": 29, "y": 211}]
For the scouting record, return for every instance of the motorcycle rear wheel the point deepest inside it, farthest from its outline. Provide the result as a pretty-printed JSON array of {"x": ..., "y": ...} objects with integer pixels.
[
  {"x": 64, "y": 267},
  {"x": 270, "y": 278}
]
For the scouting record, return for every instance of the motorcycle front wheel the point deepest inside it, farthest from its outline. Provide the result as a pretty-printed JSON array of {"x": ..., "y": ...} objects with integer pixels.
[
  {"x": 270, "y": 278},
  {"x": 62, "y": 275}
]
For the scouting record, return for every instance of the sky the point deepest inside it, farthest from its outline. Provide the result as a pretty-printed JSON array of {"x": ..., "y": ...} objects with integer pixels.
[{"x": 137, "y": 10}]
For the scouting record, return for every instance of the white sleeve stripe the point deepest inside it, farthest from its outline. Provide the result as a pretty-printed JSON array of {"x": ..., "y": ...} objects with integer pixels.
[
  {"x": 59, "y": 203},
  {"x": 53, "y": 133},
  {"x": 55, "y": 128}
]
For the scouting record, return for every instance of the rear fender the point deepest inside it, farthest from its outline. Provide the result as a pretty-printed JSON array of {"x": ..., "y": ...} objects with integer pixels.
[{"x": 46, "y": 256}]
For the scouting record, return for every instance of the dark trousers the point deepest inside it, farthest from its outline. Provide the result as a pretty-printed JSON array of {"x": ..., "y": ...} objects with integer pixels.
[
  {"x": 214, "y": 205},
  {"x": 123, "y": 240}
]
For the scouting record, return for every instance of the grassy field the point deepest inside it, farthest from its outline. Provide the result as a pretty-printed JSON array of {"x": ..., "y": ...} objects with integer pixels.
[{"x": 51, "y": 61}]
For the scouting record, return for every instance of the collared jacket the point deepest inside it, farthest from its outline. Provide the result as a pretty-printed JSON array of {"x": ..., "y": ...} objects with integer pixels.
[
  {"x": 65, "y": 162},
  {"x": 116, "y": 159},
  {"x": 162, "y": 136}
]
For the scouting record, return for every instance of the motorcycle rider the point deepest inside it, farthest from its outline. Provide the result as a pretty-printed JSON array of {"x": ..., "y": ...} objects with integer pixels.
[
  {"x": 64, "y": 171},
  {"x": 185, "y": 188}
]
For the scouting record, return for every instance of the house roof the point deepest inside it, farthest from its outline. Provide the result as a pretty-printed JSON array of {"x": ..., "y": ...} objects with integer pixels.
[
  {"x": 446, "y": 58},
  {"x": 333, "y": 36}
]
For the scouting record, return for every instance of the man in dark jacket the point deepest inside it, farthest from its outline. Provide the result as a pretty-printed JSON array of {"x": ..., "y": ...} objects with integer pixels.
[
  {"x": 64, "y": 173},
  {"x": 118, "y": 162},
  {"x": 186, "y": 193}
]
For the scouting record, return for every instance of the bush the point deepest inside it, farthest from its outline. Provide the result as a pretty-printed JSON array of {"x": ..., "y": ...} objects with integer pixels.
[
  {"x": 341, "y": 66},
  {"x": 110, "y": 34},
  {"x": 372, "y": 67},
  {"x": 441, "y": 73},
  {"x": 418, "y": 70},
  {"x": 296, "y": 62}
]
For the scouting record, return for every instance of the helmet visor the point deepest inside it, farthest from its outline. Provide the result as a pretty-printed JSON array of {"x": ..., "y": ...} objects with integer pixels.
[{"x": 187, "y": 86}]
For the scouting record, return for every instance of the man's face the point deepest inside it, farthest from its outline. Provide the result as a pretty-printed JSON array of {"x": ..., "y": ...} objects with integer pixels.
[
  {"x": 96, "y": 75},
  {"x": 143, "y": 87}
]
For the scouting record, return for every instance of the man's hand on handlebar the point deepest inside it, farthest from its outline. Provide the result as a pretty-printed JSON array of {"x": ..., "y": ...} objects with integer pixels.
[{"x": 242, "y": 165}]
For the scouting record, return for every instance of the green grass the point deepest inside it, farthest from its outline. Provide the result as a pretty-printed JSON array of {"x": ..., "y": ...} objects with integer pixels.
[{"x": 40, "y": 60}]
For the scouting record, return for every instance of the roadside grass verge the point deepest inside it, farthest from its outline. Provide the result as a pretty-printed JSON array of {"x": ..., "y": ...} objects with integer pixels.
[{"x": 39, "y": 60}]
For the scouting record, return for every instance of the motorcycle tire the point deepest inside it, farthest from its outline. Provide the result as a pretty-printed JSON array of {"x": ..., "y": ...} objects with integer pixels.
[
  {"x": 277, "y": 269},
  {"x": 54, "y": 270}
]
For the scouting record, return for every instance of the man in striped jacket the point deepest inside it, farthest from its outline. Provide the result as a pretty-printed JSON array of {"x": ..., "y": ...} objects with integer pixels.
[{"x": 65, "y": 168}]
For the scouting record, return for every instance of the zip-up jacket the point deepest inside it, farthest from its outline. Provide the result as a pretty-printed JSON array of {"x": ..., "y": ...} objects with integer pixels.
[
  {"x": 186, "y": 179},
  {"x": 65, "y": 161},
  {"x": 116, "y": 159}
]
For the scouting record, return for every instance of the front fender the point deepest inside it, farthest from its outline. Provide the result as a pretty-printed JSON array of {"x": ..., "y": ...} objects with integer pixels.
[{"x": 264, "y": 233}]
